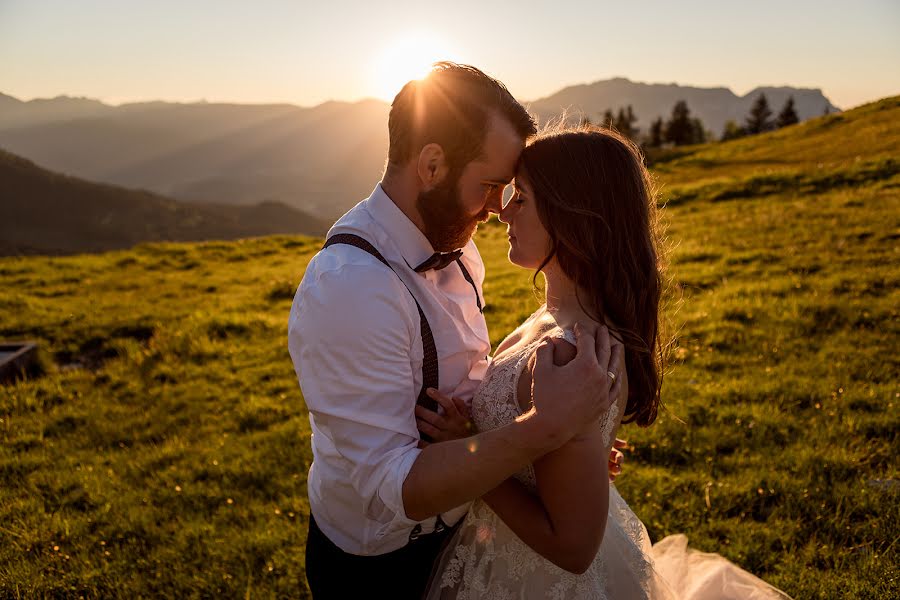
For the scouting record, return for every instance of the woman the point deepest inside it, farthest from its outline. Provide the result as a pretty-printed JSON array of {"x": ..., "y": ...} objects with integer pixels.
[{"x": 583, "y": 214}]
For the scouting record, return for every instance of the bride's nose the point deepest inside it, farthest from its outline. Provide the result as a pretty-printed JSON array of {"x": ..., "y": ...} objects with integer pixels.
[{"x": 505, "y": 215}]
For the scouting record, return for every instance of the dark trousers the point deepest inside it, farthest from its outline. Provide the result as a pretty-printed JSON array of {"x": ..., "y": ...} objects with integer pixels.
[{"x": 401, "y": 574}]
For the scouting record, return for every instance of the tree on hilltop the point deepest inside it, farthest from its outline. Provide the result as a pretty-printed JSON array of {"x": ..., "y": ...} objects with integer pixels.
[
  {"x": 656, "y": 133},
  {"x": 608, "y": 120},
  {"x": 698, "y": 132},
  {"x": 759, "y": 120},
  {"x": 625, "y": 121},
  {"x": 787, "y": 116},
  {"x": 680, "y": 128},
  {"x": 732, "y": 131}
]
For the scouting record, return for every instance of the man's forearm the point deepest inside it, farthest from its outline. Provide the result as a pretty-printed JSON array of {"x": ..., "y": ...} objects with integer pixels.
[{"x": 449, "y": 474}]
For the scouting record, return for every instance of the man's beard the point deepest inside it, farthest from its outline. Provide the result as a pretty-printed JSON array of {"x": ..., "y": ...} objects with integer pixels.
[{"x": 447, "y": 226}]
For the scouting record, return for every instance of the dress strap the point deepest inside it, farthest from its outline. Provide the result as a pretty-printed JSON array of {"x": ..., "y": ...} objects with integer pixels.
[{"x": 569, "y": 336}]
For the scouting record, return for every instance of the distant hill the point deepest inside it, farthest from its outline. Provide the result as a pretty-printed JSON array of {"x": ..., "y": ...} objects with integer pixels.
[
  {"x": 713, "y": 106},
  {"x": 818, "y": 148},
  {"x": 16, "y": 113},
  {"x": 321, "y": 160},
  {"x": 47, "y": 213}
]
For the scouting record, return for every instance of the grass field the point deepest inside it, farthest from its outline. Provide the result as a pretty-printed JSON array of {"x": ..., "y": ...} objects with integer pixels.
[{"x": 165, "y": 449}]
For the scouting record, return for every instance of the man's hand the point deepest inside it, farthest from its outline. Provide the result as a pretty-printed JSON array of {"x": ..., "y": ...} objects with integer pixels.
[
  {"x": 454, "y": 424},
  {"x": 616, "y": 458},
  {"x": 569, "y": 397}
]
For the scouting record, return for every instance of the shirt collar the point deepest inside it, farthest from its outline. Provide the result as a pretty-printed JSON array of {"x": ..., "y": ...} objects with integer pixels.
[{"x": 412, "y": 243}]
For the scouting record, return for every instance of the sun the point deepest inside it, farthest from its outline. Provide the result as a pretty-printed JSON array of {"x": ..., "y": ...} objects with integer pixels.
[{"x": 408, "y": 58}]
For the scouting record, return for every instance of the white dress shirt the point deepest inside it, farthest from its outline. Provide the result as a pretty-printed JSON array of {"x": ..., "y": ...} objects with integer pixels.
[{"x": 355, "y": 341}]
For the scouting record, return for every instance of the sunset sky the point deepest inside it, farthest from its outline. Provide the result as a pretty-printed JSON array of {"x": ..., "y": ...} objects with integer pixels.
[{"x": 308, "y": 52}]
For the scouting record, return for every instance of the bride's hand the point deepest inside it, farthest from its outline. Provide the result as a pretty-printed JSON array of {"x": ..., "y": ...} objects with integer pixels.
[
  {"x": 616, "y": 458},
  {"x": 454, "y": 424}
]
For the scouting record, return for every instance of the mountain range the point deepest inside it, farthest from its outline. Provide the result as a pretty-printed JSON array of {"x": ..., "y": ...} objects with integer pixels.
[
  {"x": 713, "y": 106},
  {"x": 320, "y": 160}
]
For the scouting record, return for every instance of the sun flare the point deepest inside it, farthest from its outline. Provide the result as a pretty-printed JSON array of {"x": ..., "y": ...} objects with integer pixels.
[{"x": 407, "y": 59}]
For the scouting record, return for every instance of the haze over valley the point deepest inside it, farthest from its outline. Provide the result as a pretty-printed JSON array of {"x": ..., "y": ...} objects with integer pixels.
[{"x": 320, "y": 160}]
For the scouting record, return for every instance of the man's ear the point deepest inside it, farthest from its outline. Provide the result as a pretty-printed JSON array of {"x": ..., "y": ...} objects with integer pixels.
[{"x": 432, "y": 166}]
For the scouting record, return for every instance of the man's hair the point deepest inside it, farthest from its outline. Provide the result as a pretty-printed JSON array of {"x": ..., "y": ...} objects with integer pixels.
[{"x": 451, "y": 107}]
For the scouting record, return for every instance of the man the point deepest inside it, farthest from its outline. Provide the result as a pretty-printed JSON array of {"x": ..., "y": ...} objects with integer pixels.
[{"x": 390, "y": 306}]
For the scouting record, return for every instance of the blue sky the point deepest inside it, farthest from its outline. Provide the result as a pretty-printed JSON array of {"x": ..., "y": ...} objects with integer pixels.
[{"x": 308, "y": 52}]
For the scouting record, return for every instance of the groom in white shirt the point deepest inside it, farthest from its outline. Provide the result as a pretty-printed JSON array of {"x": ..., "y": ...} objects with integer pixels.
[{"x": 391, "y": 306}]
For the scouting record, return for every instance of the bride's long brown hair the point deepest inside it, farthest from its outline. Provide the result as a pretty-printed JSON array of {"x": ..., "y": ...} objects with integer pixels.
[{"x": 596, "y": 200}]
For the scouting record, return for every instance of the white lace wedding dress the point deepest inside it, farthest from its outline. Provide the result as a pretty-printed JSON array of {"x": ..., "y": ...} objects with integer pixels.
[{"x": 485, "y": 560}]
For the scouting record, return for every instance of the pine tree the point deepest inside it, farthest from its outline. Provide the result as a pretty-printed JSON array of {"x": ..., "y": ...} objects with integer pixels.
[
  {"x": 619, "y": 123},
  {"x": 679, "y": 129},
  {"x": 656, "y": 133},
  {"x": 625, "y": 121},
  {"x": 632, "y": 119},
  {"x": 787, "y": 116},
  {"x": 698, "y": 133},
  {"x": 732, "y": 131},
  {"x": 759, "y": 120},
  {"x": 608, "y": 119}
]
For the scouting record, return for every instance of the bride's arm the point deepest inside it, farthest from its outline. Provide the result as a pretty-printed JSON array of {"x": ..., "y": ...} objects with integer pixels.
[{"x": 565, "y": 522}]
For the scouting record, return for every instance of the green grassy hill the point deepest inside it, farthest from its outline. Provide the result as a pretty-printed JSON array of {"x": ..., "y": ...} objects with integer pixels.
[
  {"x": 165, "y": 450},
  {"x": 48, "y": 213},
  {"x": 835, "y": 142}
]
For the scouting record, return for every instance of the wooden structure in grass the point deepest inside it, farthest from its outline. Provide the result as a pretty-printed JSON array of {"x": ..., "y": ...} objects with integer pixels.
[{"x": 15, "y": 358}]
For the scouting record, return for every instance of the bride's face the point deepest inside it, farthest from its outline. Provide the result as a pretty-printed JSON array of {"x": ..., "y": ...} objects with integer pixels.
[{"x": 529, "y": 243}]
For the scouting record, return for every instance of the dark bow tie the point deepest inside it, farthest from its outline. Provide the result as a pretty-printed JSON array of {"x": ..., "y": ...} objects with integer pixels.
[{"x": 438, "y": 261}]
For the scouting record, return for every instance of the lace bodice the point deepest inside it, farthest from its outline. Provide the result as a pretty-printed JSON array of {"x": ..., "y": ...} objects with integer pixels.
[
  {"x": 496, "y": 401},
  {"x": 485, "y": 560}
]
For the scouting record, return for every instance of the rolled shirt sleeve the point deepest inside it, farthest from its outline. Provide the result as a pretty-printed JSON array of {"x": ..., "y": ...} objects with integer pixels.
[{"x": 354, "y": 341}]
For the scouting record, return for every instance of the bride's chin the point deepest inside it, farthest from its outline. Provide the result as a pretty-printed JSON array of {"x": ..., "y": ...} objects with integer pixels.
[{"x": 511, "y": 255}]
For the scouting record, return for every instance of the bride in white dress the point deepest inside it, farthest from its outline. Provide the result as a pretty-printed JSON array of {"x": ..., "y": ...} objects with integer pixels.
[{"x": 583, "y": 214}]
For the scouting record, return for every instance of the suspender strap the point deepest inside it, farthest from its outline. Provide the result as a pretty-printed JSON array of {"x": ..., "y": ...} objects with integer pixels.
[
  {"x": 468, "y": 277},
  {"x": 430, "y": 361},
  {"x": 430, "y": 375}
]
